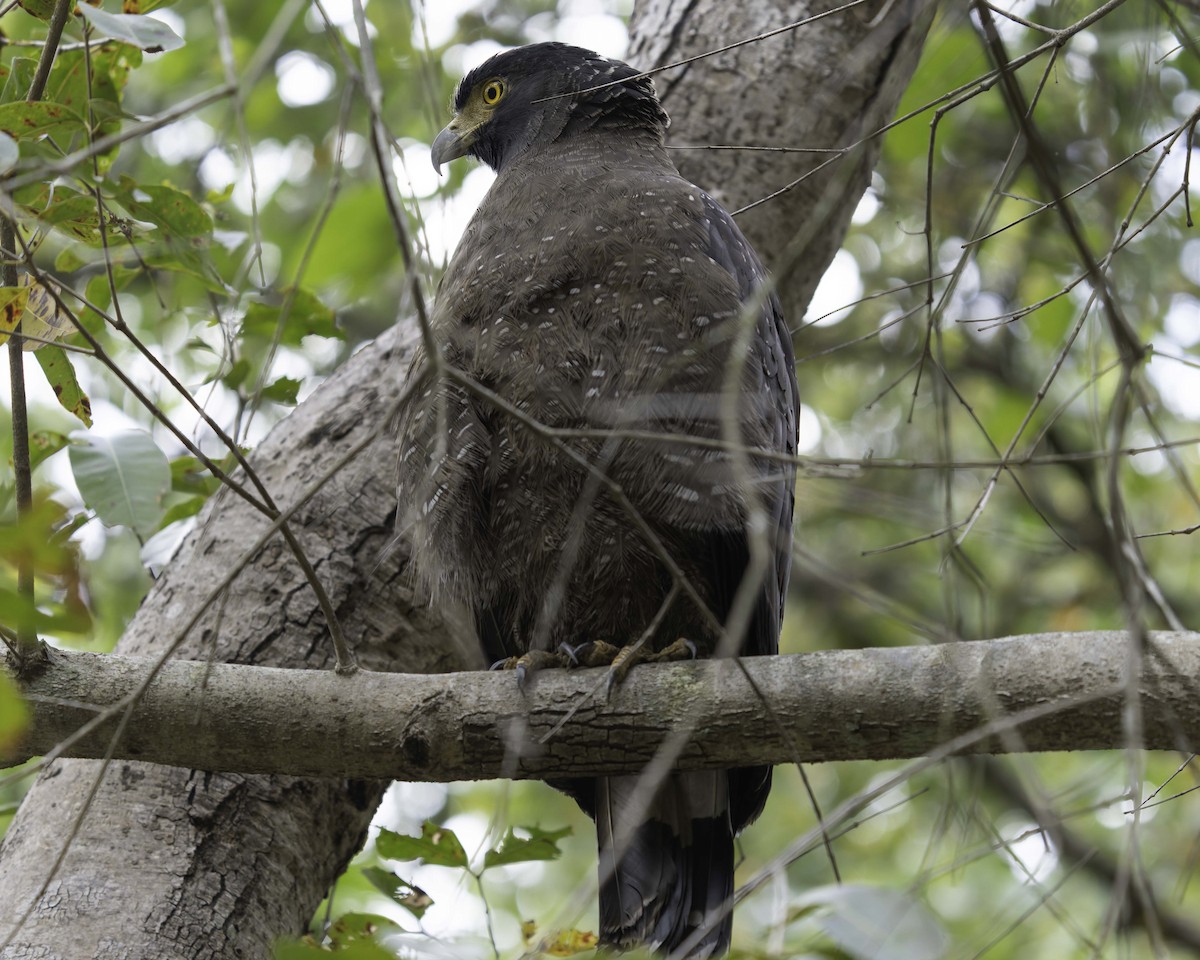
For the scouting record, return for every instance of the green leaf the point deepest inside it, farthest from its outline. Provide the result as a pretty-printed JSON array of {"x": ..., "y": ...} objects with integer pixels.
[
  {"x": 41, "y": 539},
  {"x": 94, "y": 79},
  {"x": 77, "y": 81},
  {"x": 10, "y": 153},
  {"x": 411, "y": 897},
  {"x": 358, "y": 950},
  {"x": 358, "y": 928},
  {"x": 68, "y": 260},
  {"x": 76, "y": 214},
  {"x": 299, "y": 950},
  {"x": 567, "y": 943},
  {"x": 876, "y": 923},
  {"x": 14, "y": 715},
  {"x": 28, "y": 121},
  {"x": 56, "y": 365},
  {"x": 284, "y": 390},
  {"x": 66, "y": 204},
  {"x": 181, "y": 511},
  {"x": 306, "y": 315},
  {"x": 237, "y": 373},
  {"x": 123, "y": 478},
  {"x": 436, "y": 846},
  {"x": 184, "y": 260},
  {"x": 34, "y": 539},
  {"x": 171, "y": 210},
  {"x": 19, "y": 79},
  {"x": 17, "y": 611},
  {"x": 50, "y": 615},
  {"x": 189, "y": 475},
  {"x": 540, "y": 845},
  {"x": 146, "y": 33},
  {"x": 43, "y": 444},
  {"x": 42, "y": 9},
  {"x": 220, "y": 196}
]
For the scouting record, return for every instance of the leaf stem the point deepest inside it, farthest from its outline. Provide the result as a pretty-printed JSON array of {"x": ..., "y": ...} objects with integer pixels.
[
  {"x": 27, "y": 643},
  {"x": 29, "y": 649}
]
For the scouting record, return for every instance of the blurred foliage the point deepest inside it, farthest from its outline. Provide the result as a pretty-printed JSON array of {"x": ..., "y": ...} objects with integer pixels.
[
  {"x": 1003, "y": 351},
  {"x": 1038, "y": 558},
  {"x": 226, "y": 257}
]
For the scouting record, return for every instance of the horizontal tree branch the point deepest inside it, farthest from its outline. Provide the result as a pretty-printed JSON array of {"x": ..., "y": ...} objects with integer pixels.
[{"x": 1056, "y": 691}]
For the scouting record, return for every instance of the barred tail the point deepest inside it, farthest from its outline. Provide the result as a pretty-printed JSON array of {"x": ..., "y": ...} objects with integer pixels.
[{"x": 666, "y": 867}]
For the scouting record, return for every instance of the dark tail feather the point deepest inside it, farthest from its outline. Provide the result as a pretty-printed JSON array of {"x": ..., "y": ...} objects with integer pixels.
[{"x": 675, "y": 872}]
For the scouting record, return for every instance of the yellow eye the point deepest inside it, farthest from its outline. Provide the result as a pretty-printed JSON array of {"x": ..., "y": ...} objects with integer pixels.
[{"x": 493, "y": 92}]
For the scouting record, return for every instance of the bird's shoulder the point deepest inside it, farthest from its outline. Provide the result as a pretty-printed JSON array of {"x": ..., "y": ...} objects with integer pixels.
[
  {"x": 588, "y": 202},
  {"x": 572, "y": 239},
  {"x": 574, "y": 222}
]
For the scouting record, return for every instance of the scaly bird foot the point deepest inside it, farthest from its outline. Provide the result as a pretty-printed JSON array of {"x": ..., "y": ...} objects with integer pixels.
[
  {"x": 629, "y": 657},
  {"x": 530, "y": 663},
  {"x": 594, "y": 653}
]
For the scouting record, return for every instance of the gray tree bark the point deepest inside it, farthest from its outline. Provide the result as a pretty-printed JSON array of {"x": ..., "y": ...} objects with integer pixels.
[
  {"x": 1056, "y": 691},
  {"x": 165, "y": 862},
  {"x": 828, "y": 85},
  {"x": 169, "y": 862}
]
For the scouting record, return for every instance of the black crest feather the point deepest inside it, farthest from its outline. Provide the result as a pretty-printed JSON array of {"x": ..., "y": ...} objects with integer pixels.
[{"x": 557, "y": 90}]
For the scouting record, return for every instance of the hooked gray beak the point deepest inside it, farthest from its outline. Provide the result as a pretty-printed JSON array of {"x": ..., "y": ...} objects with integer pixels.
[{"x": 451, "y": 143}]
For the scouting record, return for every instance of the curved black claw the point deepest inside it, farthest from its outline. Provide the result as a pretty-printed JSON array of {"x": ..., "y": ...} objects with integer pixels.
[
  {"x": 681, "y": 649},
  {"x": 571, "y": 652},
  {"x": 530, "y": 663},
  {"x": 591, "y": 653}
]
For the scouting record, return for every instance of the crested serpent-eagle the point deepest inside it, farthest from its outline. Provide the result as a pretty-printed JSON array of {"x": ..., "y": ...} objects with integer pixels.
[{"x": 598, "y": 293}]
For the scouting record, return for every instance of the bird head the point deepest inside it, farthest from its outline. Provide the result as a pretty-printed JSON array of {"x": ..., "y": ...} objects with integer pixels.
[{"x": 540, "y": 93}]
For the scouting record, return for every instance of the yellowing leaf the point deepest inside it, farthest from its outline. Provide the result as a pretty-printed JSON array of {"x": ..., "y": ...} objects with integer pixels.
[
  {"x": 32, "y": 306},
  {"x": 12, "y": 308},
  {"x": 567, "y": 943},
  {"x": 56, "y": 365}
]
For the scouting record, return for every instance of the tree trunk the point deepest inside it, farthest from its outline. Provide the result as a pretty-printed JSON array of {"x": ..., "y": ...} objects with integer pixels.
[
  {"x": 827, "y": 85},
  {"x": 163, "y": 862},
  {"x": 170, "y": 862}
]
